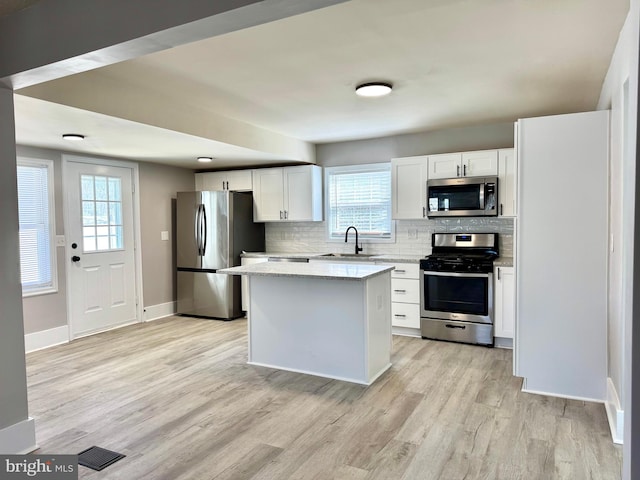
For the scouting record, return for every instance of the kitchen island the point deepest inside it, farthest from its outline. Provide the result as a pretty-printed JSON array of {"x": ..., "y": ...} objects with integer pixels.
[{"x": 330, "y": 320}]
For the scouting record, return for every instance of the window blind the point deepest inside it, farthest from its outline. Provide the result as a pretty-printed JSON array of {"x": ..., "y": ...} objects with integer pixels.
[
  {"x": 360, "y": 196},
  {"x": 35, "y": 235}
]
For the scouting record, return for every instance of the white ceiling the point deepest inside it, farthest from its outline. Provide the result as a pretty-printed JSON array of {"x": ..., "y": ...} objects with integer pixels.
[{"x": 452, "y": 63}]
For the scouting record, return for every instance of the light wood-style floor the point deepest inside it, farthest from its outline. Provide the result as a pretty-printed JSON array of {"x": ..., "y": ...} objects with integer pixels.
[{"x": 177, "y": 397}]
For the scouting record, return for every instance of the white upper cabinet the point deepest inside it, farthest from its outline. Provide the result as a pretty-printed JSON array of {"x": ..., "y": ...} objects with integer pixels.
[
  {"x": 507, "y": 181},
  {"x": 465, "y": 164},
  {"x": 287, "y": 194},
  {"x": 268, "y": 195},
  {"x": 480, "y": 164},
  {"x": 409, "y": 187},
  {"x": 233, "y": 180},
  {"x": 445, "y": 165}
]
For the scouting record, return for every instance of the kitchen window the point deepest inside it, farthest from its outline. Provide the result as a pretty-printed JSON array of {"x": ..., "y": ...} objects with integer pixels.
[
  {"x": 36, "y": 217},
  {"x": 359, "y": 195}
]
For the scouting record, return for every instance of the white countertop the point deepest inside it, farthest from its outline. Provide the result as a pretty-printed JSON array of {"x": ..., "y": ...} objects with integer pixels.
[
  {"x": 338, "y": 271},
  {"x": 387, "y": 257}
]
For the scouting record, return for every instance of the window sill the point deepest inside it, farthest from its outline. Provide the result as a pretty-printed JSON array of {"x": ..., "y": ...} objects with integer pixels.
[{"x": 37, "y": 293}]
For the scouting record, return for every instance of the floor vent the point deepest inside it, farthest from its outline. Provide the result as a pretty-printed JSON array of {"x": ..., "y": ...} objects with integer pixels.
[{"x": 98, "y": 458}]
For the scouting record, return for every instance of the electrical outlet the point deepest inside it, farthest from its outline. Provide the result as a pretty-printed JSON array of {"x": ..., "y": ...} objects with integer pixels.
[
  {"x": 413, "y": 233},
  {"x": 60, "y": 242},
  {"x": 164, "y": 235}
]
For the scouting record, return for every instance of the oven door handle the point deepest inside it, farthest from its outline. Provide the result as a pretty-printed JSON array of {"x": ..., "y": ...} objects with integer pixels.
[{"x": 456, "y": 274}]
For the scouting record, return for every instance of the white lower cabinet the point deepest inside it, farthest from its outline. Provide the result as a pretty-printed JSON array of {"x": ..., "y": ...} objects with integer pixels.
[
  {"x": 505, "y": 305},
  {"x": 405, "y": 315},
  {"x": 405, "y": 295}
]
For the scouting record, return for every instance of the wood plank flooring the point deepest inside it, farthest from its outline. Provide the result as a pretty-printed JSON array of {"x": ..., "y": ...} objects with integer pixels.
[{"x": 177, "y": 397}]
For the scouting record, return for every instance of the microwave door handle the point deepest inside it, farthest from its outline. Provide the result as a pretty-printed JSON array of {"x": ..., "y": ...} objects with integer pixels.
[{"x": 482, "y": 195}]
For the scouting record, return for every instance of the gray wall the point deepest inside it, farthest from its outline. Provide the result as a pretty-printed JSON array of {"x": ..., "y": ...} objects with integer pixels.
[
  {"x": 378, "y": 150},
  {"x": 158, "y": 187},
  {"x": 43, "y": 312},
  {"x": 13, "y": 381}
]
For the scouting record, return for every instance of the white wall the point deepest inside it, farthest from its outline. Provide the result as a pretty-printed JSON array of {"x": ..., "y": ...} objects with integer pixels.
[{"x": 619, "y": 93}]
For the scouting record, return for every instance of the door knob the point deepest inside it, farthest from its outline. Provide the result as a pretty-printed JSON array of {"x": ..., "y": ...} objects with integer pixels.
[{"x": 75, "y": 258}]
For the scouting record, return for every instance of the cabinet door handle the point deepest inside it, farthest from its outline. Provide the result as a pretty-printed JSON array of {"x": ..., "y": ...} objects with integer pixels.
[
  {"x": 400, "y": 271},
  {"x": 501, "y": 209},
  {"x": 457, "y": 170},
  {"x": 227, "y": 184},
  {"x": 280, "y": 214},
  {"x": 464, "y": 170},
  {"x": 400, "y": 291},
  {"x": 286, "y": 214},
  {"x": 498, "y": 273},
  {"x": 399, "y": 315},
  {"x": 424, "y": 212}
]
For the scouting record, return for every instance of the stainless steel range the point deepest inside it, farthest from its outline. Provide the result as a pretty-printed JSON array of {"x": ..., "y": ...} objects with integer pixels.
[{"x": 456, "y": 288}]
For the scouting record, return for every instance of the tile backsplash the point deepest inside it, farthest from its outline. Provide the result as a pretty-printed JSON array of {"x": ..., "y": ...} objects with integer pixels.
[{"x": 413, "y": 237}]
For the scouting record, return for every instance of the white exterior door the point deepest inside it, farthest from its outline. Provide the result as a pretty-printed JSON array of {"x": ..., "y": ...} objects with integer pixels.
[{"x": 100, "y": 247}]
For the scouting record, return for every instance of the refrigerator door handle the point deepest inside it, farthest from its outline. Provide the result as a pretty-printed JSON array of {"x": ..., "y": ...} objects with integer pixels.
[
  {"x": 204, "y": 230},
  {"x": 197, "y": 229}
]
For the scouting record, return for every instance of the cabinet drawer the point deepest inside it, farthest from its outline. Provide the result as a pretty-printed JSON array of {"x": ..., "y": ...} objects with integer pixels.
[
  {"x": 405, "y": 270},
  {"x": 405, "y": 291},
  {"x": 405, "y": 315}
]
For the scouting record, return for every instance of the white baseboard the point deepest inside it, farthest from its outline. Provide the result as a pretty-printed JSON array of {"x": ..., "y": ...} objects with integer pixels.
[
  {"x": 18, "y": 439},
  {"x": 615, "y": 414},
  {"x": 406, "y": 331},
  {"x": 500, "y": 342},
  {"x": 46, "y": 338},
  {"x": 558, "y": 395},
  {"x": 161, "y": 310}
]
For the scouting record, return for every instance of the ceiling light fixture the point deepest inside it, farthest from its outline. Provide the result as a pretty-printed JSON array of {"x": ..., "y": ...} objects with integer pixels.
[
  {"x": 73, "y": 137},
  {"x": 205, "y": 159},
  {"x": 373, "y": 89}
]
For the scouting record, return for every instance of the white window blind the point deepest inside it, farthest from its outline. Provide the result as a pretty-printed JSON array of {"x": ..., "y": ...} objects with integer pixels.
[
  {"x": 360, "y": 196},
  {"x": 35, "y": 206}
]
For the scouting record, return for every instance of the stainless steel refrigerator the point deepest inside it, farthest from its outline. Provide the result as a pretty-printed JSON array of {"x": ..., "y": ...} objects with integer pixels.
[{"x": 212, "y": 230}]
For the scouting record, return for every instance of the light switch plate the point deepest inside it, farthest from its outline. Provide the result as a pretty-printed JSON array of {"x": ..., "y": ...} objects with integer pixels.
[
  {"x": 164, "y": 235},
  {"x": 60, "y": 242}
]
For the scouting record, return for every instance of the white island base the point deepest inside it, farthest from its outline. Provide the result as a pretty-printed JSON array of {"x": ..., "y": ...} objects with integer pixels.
[{"x": 332, "y": 327}]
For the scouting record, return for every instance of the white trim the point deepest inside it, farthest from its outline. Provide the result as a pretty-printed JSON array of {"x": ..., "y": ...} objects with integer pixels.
[
  {"x": 328, "y": 171},
  {"x": 22, "y": 160},
  {"x": 19, "y": 438},
  {"x": 135, "y": 175},
  {"x": 406, "y": 332},
  {"x": 46, "y": 338},
  {"x": 161, "y": 310},
  {"x": 503, "y": 342},
  {"x": 557, "y": 395},
  {"x": 615, "y": 415},
  {"x": 316, "y": 374}
]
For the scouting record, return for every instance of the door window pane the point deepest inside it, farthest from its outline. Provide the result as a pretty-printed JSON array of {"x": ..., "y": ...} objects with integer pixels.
[{"x": 101, "y": 206}]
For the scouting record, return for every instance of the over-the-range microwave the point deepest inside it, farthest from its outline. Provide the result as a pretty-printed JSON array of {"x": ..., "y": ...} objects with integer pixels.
[{"x": 462, "y": 197}]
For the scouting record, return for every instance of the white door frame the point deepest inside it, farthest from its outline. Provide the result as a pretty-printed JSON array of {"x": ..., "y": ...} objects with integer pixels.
[{"x": 137, "y": 252}]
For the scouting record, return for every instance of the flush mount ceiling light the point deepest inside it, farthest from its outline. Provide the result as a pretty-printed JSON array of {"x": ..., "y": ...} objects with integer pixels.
[
  {"x": 205, "y": 159},
  {"x": 373, "y": 89},
  {"x": 73, "y": 137}
]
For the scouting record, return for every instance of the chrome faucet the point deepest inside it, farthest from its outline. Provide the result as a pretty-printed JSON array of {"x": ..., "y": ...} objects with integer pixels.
[{"x": 346, "y": 235}]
